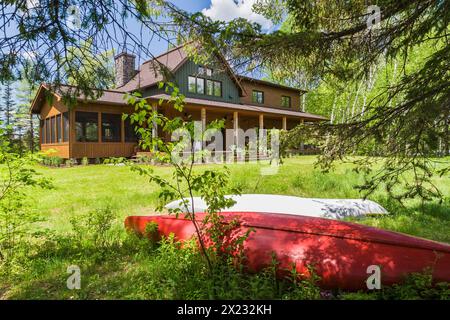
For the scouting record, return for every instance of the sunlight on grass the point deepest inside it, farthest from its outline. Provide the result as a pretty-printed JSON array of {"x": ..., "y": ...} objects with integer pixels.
[{"x": 84, "y": 188}]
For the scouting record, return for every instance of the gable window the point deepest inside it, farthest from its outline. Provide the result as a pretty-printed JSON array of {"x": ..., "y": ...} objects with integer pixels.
[
  {"x": 214, "y": 88},
  {"x": 217, "y": 88},
  {"x": 258, "y": 96},
  {"x": 205, "y": 71},
  {"x": 196, "y": 85},
  {"x": 209, "y": 87},
  {"x": 200, "y": 86},
  {"x": 192, "y": 84},
  {"x": 111, "y": 127},
  {"x": 285, "y": 101},
  {"x": 86, "y": 126}
]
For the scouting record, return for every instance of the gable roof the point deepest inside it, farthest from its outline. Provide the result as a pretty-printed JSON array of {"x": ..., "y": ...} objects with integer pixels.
[
  {"x": 114, "y": 97},
  {"x": 269, "y": 83},
  {"x": 152, "y": 71}
]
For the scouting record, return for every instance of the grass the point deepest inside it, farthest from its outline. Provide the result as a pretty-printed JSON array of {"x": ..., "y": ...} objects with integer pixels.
[
  {"x": 131, "y": 269},
  {"x": 82, "y": 189}
]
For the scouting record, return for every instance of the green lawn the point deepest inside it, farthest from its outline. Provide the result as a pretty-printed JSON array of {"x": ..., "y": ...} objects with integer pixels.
[
  {"x": 81, "y": 189},
  {"x": 130, "y": 269}
]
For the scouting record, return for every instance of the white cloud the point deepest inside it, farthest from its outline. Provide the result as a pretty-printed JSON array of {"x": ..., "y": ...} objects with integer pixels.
[{"x": 227, "y": 10}]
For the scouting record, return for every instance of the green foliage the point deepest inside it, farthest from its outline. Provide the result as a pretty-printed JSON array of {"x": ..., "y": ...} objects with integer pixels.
[
  {"x": 84, "y": 161},
  {"x": 53, "y": 161},
  {"x": 416, "y": 286},
  {"x": 136, "y": 268},
  {"x": 211, "y": 185},
  {"x": 17, "y": 220},
  {"x": 93, "y": 229},
  {"x": 91, "y": 68}
]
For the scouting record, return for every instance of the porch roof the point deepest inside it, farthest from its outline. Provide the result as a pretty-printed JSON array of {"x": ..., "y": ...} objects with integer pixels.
[{"x": 246, "y": 107}]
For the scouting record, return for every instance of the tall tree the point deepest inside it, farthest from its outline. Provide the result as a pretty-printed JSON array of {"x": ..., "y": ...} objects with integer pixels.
[
  {"x": 7, "y": 107},
  {"x": 26, "y": 124},
  {"x": 346, "y": 40},
  {"x": 97, "y": 69}
]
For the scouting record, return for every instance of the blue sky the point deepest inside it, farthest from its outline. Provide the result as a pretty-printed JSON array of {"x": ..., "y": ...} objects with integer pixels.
[{"x": 216, "y": 9}]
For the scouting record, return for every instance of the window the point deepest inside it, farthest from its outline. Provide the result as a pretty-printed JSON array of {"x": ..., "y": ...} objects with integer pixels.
[
  {"x": 285, "y": 101},
  {"x": 130, "y": 133},
  {"x": 217, "y": 88},
  {"x": 205, "y": 71},
  {"x": 53, "y": 133},
  {"x": 200, "y": 86},
  {"x": 197, "y": 85},
  {"x": 209, "y": 87},
  {"x": 47, "y": 130},
  {"x": 191, "y": 85},
  {"x": 66, "y": 126},
  {"x": 258, "y": 96},
  {"x": 111, "y": 127},
  {"x": 214, "y": 88},
  {"x": 86, "y": 126},
  {"x": 58, "y": 128}
]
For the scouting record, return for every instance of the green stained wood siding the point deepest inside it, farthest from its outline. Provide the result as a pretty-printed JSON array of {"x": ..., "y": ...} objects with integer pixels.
[{"x": 230, "y": 92}]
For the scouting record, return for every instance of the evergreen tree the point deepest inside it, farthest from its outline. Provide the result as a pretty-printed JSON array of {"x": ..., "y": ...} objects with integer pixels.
[
  {"x": 26, "y": 125},
  {"x": 7, "y": 106}
]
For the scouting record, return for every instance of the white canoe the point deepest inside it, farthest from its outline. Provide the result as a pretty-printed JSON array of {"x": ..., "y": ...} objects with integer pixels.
[{"x": 313, "y": 207}]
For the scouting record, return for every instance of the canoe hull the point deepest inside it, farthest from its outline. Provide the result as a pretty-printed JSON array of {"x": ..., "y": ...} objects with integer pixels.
[
  {"x": 313, "y": 207},
  {"x": 340, "y": 252}
]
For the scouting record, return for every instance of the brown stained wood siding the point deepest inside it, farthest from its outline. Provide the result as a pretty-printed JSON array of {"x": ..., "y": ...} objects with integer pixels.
[
  {"x": 102, "y": 149},
  {"x": 272, "y": 95},
  {"x": 58, "y": 149}
]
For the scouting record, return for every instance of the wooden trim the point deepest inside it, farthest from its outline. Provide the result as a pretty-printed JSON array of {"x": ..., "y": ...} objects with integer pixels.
[
  {"x": 99, "y": 127},
  {"x": 122, "y": 130}
]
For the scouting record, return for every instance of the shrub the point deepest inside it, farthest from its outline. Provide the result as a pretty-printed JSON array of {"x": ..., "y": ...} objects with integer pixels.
[
  {"x": 84, "y": 161},
  {"x": 94, "y": 229},
  {"x": 53, "y": 161}
]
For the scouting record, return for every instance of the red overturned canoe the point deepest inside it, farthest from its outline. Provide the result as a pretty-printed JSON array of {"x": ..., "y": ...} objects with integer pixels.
[{"x": 340, "y": 251}]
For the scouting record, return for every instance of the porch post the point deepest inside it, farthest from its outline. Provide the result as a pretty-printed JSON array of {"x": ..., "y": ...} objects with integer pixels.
[
  {"x": 155, "y": 125},
  {"x": 261, "y": 140},
  {"x": 284, "y": 123},
  {"x": 99, "y": 127},
  {"x": 122, "y": 131},
  {"x": 302, "y": 146},
  {"x": 236, "y": 127},
  {"x": 203, "y": 118}
]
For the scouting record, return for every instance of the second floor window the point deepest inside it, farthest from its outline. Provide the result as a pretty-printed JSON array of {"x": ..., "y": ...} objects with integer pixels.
[
  {"x": 205, "y": 71},
  {"x": 258, "y": 96},
  {"x": 285, "y": 101},
  {"x": 196, "y": 85},
  {"x": 214, "y": 88}
]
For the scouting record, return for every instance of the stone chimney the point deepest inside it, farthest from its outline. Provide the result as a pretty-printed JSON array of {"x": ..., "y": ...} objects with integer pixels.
[{"x": 125, "y": 68}]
